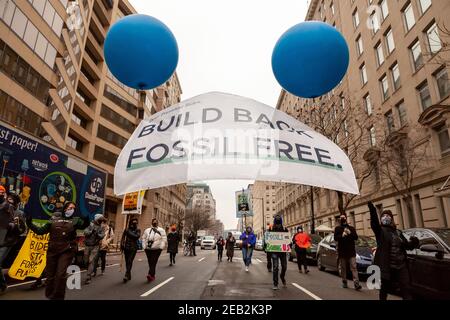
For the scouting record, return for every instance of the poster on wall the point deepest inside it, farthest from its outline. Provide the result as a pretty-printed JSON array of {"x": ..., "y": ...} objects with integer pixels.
[
  {"x": 243, "y": 204},
  {"x": 132, "y": 202},
  {"x": 45, "y": 177}
]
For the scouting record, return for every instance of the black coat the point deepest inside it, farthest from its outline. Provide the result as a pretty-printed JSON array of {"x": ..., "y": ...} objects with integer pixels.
[
  {"x": 345, "y": 245},
  {"x": 130, "y": 239},
  {"x": 384, "y": 235},
  {"x": 173, "y": 238}
]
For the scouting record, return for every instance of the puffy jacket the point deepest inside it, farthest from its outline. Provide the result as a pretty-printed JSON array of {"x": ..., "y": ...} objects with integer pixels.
[
  {"x": 14, "y": 225},
  {"x": 130, "y": 239},
  {"x": 345, "y": 244},
  {"x": 248, "y": 239},
  {"x": 93, "y": 234},
  {"x": 302, "y": 240},
  {"x": 156, "y": 237}
]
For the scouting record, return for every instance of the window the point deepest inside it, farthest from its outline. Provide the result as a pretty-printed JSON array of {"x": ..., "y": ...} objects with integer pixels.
[
  {"x": 444, "y": 139},
  {"x": 384, "y": 87},
  {"x": 74, "y": 143},
  {"x": 408, "y": 17},
  {"x": 356, "y": 19},
  {"x": 374, "y": 22},
  {"x": 117, "y": 119},
  {"x": 368, "y": 104},
  {"x": 389, "y": 121},
  {"x": 390, "y": 43},
  {"x": 416, "y": 53},
  {"x": 105, "y": 156},
  {"x": 401, "y": 112},
  {"x": 384, "y": 9},
  {"x": 372, "y": 136},
  {"x": 395, "y": 72},
  {"x": 434, "y": 42},
  {"x": 379, "y": 54},
  {"x": 424, "y": 5},
  {"x": 363, "y": 73},
  {"x": 424, "y": 95},
  {"x": 443, "y": 83},
  {"x": 111, "y": 137},
  {"x": 359, "y": 45}
]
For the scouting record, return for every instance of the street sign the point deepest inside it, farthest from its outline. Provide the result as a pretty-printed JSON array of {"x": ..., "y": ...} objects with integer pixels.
[{"x": 243, "y": 204}]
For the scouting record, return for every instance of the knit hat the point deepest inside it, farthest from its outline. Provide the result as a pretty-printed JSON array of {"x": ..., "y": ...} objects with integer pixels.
[
  {"x": 98, "y": 217},
  {"x": 2, "y": 188}
]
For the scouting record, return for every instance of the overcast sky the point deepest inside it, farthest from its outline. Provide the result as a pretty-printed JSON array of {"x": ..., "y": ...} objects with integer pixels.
[{"x": 227, "y": 46}]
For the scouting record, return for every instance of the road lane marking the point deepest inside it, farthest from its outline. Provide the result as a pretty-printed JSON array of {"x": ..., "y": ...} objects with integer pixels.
[
  {"x": 201, "y": 259},
  {"x": 30, "y": 282},
  {"x": 312, "y": 295},
  {"x": 157, "y": 287}
]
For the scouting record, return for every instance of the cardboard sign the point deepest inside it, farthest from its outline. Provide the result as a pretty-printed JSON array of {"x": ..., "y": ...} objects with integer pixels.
[
  {"x": 278, "y": 242},
  {"x": 132, "y": 202}
]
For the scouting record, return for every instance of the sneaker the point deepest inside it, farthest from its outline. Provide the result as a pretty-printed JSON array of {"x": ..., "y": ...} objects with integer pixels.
[
  {"x": 344, "y": 285},
  {"x": 150, "y": 278},
  {"x": 87, "y": 281},
  {"x": 246, "y": 269},
  {"x": 306, "y": 271},
  {"x": 358, "y": 287},
  {"x": 93, "y": 274},
  {"x": 103, "y": 273},
  {"x": 284, "y": 282},
  {"x": 275, "y": 288},
  {"x": 270, "y": 270},
  {"x": 170, "y": 265},
  {"x": 300, "y": 271},
  {"x": 125, "y": 279}
]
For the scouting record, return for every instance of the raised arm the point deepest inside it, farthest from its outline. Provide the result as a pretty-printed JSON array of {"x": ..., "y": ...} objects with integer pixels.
[
  {"x": 374, "y": 221},
  {"x": 38, "y": 230}
]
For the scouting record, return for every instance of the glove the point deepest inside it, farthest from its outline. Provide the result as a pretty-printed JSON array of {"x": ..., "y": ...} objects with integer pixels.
[
  {"x": 415, "y": 241},
  {"x": 371, "y": 206}
]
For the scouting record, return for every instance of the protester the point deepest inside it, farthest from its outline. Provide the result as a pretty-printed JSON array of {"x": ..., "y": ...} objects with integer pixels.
[
  {"x": 173, "y": 239},
  {"x": 12, "y": 226},
  {"x": 220, "y": 244},
  {"x": 104, "y": 246},
  {"x": 268, "y": 254},
  {"x": 229, "y": 245},
  {"x": 129, "y": 246},
  {"x": 193, "y": 242},
  {"x": 345, "y": 236},
  {"x": 93, "y": 235},
  {"x": 391, "y": 254},
  {"x": 279, "y": 257},
  {"x": 154, "y": 241},
  {"x": 302, "y": 242},
  {"x": 62, "y": 247},
  {"x": 248, "y": 244}
]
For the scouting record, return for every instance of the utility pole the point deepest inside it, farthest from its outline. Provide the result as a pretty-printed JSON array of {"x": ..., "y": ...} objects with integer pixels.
[{"x": 313, "y": 226}]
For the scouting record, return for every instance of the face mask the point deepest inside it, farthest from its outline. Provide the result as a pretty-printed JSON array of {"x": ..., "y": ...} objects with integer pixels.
[
  {"x": 343, "y": 221},
  {"x": 386, "y": 220},
  {"x": 173, "y": 230},
  {"x": 69, "y": 213},
  {"x": 154, "y": 224},
  {"x": 134, "y": 225}
]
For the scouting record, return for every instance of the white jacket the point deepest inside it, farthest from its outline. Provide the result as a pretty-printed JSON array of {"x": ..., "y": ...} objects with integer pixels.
[{"x": 159, "y": 239}]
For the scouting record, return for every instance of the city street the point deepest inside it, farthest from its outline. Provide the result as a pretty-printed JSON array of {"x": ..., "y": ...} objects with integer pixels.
[{"x": 203, "y": 278}]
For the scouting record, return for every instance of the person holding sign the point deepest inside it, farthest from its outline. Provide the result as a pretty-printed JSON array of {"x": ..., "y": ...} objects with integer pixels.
[
  {"x": 278, "y": 257},
  {"x": 62, "y": 247},
  {"x": 248, "y": 244},
  {"x": 129, "y": 246},
  {"x": 302, "y": 242}
]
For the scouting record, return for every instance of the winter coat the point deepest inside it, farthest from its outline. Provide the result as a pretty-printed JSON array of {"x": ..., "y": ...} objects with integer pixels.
[
  {"x": 220, "y": 244},
  {"x": 231, "y": 241},
  {"x": 248, "y": 239},
  {"x": 173, "y": 238},
  {"x": 154, "y": 239},
  {"x": 13, "y": 223},
  {"x": 93, "y": 235},
  {"x": 130, "y": 239},
  {"x": 384, "y": 236},
  {"x": 109, "y": 236},
  {"x": 345, "y": 244},
  {"x": 302, "y": 240}
]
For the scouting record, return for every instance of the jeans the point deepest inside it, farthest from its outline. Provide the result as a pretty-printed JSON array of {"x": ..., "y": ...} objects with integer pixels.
[
  {"x": 219, "y": 254},
  {"x": 3, "y": 254},
  {"x": 152, "y": 257},
  {"x": 102, "y": 257},
  {"x": 401, "y": 276},
  {"x": 352, "y": 263},
  {"x": 269, "y": 261},
  {"x": 172, "y": 257},
  {"x": 282, "y": 257},
  {"x": 301, "y": 258},
  {"x": 130, "y": 254},
  {"x": 247, "y": 255},
  {"x": 90, "y": 254}
]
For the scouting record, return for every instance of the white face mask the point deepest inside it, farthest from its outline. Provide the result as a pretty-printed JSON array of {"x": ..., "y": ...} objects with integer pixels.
[{"x": 69, "y": 213}]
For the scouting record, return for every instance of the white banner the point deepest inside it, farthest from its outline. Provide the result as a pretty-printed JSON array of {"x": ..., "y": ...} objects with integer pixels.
[{"x": 223, "y": 136}]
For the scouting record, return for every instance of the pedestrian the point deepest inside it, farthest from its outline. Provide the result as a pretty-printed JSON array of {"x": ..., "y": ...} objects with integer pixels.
[
  {"x": 12, "y": 226},
  {"x": 220, "y": 244},
  {"x": 62, "y": 247},
  {"x": 345, "y": 236},
  {"x": 391, "y": 254},
  {"x": 93, "y": 235},
  {"x": 248, "y": 244},
  {"x": 193, "y": 242},
  {"x": 154, "y": 241},
  {"x": 103, "y": 250},
  {"x": 129, "y": 246},
  {"x": 279, "y": 257},
  {"x": 173, "y": 239},
  {"x": 230, "y": 243},
  {"x": 302, "y": 243},
  {"x": 268, "y": 254}
]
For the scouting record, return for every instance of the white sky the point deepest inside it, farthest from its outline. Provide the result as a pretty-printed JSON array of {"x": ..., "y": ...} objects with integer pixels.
[{"x": 227, "y": 46}]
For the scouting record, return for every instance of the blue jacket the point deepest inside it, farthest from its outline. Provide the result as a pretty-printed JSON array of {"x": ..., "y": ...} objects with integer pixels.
[{"x": 248, "y": 239}]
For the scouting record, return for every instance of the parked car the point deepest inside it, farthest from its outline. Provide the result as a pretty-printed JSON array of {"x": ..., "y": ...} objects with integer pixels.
[
  {"x": 208, "y": 242},
  {"x": 311, "y": 254},
  {"x": 259, "y": 245},
  {"x": 429, "y": 265},
  {"x": 327, "y": 256},
  {"x": 199, "y": 241}
]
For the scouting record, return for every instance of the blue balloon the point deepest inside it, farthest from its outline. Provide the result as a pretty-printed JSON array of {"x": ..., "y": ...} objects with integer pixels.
[
  {"x": 141, "y": 51},
  {"x": 310, "y": 59}
]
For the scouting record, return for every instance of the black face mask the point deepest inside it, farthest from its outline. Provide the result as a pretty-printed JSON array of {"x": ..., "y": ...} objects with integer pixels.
[
  {"x": 343, "y": 221},
  {"x": 133, "y": 226},
  {"x": 154, "y": 225},
  {"x": 2, "y": 198}
]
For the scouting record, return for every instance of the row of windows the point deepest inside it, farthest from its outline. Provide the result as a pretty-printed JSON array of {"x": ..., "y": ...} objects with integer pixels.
[
  {"x": 117, "y": 119},
  {"x": 20, "y": 71},
  {"x": 111, "y": 137},
  {"x": 14, "y": 18},
  {"x": 49, "y": 14},
  {"x": 115, "y": 97}
]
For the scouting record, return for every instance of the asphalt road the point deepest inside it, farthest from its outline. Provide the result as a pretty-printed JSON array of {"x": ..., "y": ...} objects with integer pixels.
[{"x": 203, "y": 277}]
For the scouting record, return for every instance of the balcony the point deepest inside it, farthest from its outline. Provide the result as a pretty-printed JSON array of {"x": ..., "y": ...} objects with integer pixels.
[
  {"x": 434, "y": 115},
  {"x": 94, "y": 47},
  {"x": 88, "y": 88},
  {"x": 102, "y": 13}
]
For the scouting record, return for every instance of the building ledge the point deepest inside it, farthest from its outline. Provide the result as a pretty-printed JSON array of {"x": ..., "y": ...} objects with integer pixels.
[{"x": 434, "y": 115}]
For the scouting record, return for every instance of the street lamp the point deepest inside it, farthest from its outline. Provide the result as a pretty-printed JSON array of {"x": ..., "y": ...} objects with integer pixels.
[{"x": 263, "y": 214}]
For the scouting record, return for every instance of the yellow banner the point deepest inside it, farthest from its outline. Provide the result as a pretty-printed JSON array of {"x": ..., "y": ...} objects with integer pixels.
[{"x": 31, "y": 260}]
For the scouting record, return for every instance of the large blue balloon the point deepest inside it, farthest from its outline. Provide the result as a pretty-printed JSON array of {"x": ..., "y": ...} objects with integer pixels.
[
  {"x": 141, "y": 51},
  {"x": 310, "y": 59}
]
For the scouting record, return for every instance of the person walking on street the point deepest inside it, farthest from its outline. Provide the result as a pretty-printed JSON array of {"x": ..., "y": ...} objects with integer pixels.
[
  {"x": 345, "y": 236},
  {"x": 12, "y": 226},
  {"x": 104, "y": 246},
  {"x": 92, "y": 237},
  {"x": 220, "y": 244},
  {"x": 192, "y": 241},
  {"x": 391, "y": 254},
  {"x": 154, "y": 241},
  {"x": 62, "y": 247},
  {"x": 248, "y": 244},
  {"x": 173, "y": 239},
  {"x": 129, "y": 246},
  {"x": 268, "y": 254},
  {"x": 279, "y": 257},
  {"x": 229, "y": 245},
  {"x": 302, "y": 242}
]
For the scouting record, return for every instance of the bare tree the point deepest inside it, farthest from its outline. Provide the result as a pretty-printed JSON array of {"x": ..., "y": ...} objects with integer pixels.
[
  {"x": 197, "y": 219},
  {"x": 439, "y": 51}
]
